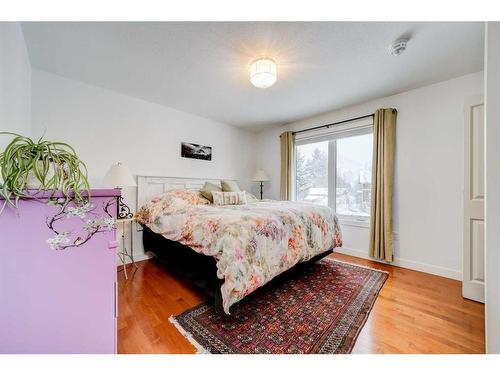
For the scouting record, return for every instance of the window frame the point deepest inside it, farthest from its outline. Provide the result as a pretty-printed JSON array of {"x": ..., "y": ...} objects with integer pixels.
[{"x": 332, "y": 135}]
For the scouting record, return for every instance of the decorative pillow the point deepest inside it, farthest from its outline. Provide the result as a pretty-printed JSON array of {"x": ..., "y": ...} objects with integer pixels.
[
  {"x": 208, "y": 189},
  {"x": 170, "y": 202},
  {"x": 229, "y": 198},
  {"x": 229, "y": 185},
  {"x": 251, "y": 197}
]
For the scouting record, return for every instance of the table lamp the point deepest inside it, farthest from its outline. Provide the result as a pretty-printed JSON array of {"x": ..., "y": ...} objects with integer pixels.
[{"x": 261, "y": 176}]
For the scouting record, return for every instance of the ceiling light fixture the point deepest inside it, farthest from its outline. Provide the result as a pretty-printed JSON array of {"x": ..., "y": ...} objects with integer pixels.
[{"x": 263, "y": 73}]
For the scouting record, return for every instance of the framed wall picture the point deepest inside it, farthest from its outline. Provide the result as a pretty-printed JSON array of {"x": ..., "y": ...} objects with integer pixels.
[{"x": 194, "y": 151}]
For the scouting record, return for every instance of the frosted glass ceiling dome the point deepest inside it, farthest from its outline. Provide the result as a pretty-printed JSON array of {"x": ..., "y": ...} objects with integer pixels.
[{"x": 263, "y": 73}]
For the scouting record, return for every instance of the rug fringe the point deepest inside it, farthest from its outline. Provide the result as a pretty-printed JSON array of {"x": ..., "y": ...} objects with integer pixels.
[
  {"x": 200, "y": 349},
  {"x": 356, "y": 265}
]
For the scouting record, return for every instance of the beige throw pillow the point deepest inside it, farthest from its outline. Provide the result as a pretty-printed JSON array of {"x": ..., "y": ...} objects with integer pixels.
[
  {"x": 207, "y": 190},
  {"x": 229, "y": 185},
  {"x": 250, "y": 197},
  {"x": 229, "y": 198}
]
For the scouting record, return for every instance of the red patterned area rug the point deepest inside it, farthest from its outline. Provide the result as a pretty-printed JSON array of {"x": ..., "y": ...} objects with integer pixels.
[{"x": 319, "y": 310}]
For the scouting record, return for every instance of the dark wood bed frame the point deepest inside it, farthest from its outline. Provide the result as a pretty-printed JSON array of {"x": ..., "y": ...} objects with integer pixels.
[{"x": 201, "y": 271}]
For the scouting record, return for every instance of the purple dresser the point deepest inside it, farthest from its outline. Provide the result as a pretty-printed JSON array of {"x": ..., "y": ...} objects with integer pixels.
[{"x": 58, "y": 288}]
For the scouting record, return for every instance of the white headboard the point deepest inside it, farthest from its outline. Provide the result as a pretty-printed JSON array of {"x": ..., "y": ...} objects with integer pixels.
[{"x": 149, "y": 187}]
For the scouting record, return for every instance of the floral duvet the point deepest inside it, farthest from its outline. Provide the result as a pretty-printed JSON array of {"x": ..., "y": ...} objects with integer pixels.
[{"x": 251, "y": 243}]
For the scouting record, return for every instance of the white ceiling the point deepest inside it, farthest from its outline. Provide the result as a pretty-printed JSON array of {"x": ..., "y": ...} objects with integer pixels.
[{"x": 202, "y": 67}]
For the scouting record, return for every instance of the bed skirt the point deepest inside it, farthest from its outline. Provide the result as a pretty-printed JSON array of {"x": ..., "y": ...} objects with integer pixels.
[{"x": 201, "y": 270}]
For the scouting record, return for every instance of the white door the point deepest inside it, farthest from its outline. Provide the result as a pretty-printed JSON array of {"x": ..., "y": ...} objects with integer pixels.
[{"x": 473, "y": 261}]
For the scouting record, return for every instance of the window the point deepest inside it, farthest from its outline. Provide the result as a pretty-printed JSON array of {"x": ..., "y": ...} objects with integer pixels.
[
  {"x": 312, "y": 172},
  {"x": 354, "y": 175},
  {"x": 335, "y": 170}
]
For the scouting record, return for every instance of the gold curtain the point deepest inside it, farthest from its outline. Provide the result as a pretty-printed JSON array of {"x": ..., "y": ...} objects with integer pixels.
[
  {"x": 287, "y": 165},
  {"x": 384, "y": 142}
]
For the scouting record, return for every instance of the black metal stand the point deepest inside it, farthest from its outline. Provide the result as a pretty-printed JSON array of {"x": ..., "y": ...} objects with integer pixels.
[
  {"x": 261, "y": 186},
  {"x": 122, "y": 210},
  {"x": 126, "y": 253}
]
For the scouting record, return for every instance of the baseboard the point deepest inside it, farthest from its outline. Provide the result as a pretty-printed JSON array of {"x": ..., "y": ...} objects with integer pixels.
[
  {"x": 405, "y": 263},
  {"x": 137, "y": 258}
]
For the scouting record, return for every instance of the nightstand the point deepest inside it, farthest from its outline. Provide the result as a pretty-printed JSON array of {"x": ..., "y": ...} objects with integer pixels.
[{"x": 126, "y": 252}]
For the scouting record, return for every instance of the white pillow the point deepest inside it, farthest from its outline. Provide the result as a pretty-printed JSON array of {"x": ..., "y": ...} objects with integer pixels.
[
  {"x": 250, "y": 197},
  {"x": 229, "y": 198}
]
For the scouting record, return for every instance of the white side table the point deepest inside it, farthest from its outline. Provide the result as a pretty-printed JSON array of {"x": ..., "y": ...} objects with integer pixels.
[{"x": 126, "y": 252}]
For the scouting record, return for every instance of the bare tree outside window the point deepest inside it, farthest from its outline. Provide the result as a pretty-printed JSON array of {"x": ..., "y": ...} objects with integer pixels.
[
  {"x": 354, "y": 175},
  {"x": 353, "y": 159},
  {"x": 312, "y": 173}
]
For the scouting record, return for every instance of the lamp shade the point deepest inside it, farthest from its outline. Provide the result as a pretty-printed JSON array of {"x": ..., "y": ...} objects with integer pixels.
[
  {"x": 119, "y": 176},
  {"x": 260, "y": 176}
]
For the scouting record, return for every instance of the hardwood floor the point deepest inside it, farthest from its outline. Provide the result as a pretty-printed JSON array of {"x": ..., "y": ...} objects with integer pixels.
[{"x": 414, "y": 313}]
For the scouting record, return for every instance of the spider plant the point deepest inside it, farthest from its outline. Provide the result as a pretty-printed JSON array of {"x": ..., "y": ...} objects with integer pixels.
[{"x": 53, "y": 165}]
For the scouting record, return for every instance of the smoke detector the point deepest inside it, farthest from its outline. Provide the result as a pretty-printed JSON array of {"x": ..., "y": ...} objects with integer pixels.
[{"x": 398, "y": 47}]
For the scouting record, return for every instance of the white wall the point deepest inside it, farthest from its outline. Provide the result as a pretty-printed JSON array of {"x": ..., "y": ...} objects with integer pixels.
[
  {"x": 15, "y": 82},
  {"x": 106, "y": 127},
  {"x": 492, "y": 137},
  {"x": 428, "y": 208}
]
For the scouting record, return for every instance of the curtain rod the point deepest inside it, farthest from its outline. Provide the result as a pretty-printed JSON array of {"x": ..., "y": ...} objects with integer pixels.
[{"x": 333, "y": 123}]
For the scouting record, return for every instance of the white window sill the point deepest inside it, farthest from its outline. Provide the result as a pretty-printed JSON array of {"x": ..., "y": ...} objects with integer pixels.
[{"x": 354, "y": 222}]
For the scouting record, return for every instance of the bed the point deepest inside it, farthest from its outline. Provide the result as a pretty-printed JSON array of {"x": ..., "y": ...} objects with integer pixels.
[{"x": 229, "y": 252}]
